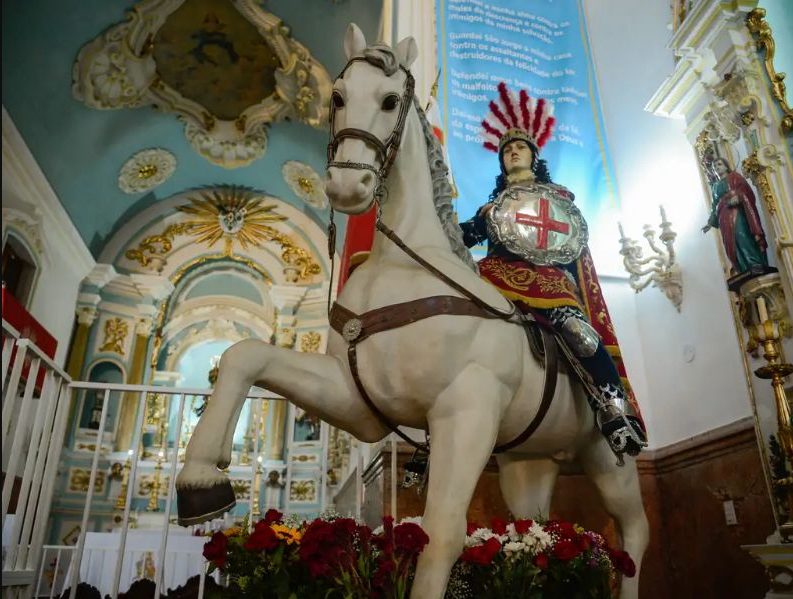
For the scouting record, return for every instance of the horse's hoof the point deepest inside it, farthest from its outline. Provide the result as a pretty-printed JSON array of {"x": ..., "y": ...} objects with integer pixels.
[{"x": 197, "y": 505}]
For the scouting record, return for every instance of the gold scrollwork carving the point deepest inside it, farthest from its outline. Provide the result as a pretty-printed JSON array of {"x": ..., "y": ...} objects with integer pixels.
[
  {"x": 303, "y": 490},
  {"x": 761, "y": 31},
  {"x": 309, "y": 342},
  {"x": 79, "y": 480},
  {"x": 232, "y": 214},
  {"x": 242, "y": 488},
  {"x": 116, "y": 330},
  {"x": 756, "y": 171}
]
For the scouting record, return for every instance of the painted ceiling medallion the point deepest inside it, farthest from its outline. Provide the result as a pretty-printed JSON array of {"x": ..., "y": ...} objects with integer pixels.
[
  {"x": 231, "y": 214},
  {"x": 306, "y": 183},
  {"x": 227, "y": 69},
  {"x": 146, "y": 170}
]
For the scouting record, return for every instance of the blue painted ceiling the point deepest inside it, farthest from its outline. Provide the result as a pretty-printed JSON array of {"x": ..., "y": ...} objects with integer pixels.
[{"x": 81, "y": 150}]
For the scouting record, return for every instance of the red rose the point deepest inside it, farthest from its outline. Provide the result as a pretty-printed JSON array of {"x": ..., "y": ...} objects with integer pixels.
[
  {"x": 564, "y": 529},
  {"x": 472, "y": 528},
  {"x": 523, "y": 526},
  {"x": 583, "y": 542},
  {"x": 263, "y": 538},
  {"x": 541, "y": 561},
  {"x": 622, "y": 562},
  {"x": 215, "y": 549},
  {"x": 410, "y": 538},
  {"x": 498, "y": 526},
  {"x": 565, "y": 550},
  {"x": 273, "y": 517},
  {"x": 382, "y": 576},
  {"x": 482, "y": 554}
]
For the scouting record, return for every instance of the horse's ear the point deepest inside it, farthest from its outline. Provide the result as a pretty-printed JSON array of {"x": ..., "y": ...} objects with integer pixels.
[
  {"x": 407, "y": 51},
  {"x": 354, "y": 41}
]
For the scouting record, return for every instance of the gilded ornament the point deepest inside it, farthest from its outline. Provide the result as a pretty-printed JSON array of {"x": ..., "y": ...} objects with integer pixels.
[
  {"x": 309, "y": 342},
  {"x": 303, "y": 490},
  {"x": 158, "y": 56},
  {"x": 231, "y": 214},
  {"x": 761, "y": 31},
  {"x": 306, "y": 183},
  {"x": 146, "y": 170},
  {"x": 756, "y": 171},
  {"x": 79, "y": 480},
  {"x": 116, "y": 330},
  {"x": 242, "y": 488}
]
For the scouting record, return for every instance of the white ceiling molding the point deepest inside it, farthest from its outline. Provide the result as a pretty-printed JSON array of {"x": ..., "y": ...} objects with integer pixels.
[
  {"x": 146, "y": 170},
  {"x": 22, "y": 173},
  {"x": 120, "y": 69}
]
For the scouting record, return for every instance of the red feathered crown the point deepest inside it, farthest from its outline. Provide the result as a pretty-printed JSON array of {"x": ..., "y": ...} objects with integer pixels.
[{"x": 513, "y": 118}]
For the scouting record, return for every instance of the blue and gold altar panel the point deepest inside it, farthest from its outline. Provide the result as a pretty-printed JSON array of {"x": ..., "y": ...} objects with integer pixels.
[{"x": 539, "y": 46}]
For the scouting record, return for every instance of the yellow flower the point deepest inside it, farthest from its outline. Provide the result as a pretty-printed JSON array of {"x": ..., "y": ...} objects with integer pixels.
[
  {"x": 234, "y": 531},
  {"x": 290, "y": 535},
  {"x": 578, "y": 528}
]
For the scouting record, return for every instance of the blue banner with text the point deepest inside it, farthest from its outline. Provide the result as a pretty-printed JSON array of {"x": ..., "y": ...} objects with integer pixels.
[{"x": 538, "y": 45}]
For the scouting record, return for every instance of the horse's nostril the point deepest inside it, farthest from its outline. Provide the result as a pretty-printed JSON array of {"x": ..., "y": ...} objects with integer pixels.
[{"x": 367, "y": 179}]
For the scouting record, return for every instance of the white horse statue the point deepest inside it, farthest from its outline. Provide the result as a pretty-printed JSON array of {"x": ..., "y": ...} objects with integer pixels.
[{"x": 472, "y": 382}]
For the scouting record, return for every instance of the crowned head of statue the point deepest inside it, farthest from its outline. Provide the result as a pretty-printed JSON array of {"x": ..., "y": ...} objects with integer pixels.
[{"x": 516, "y": 128}]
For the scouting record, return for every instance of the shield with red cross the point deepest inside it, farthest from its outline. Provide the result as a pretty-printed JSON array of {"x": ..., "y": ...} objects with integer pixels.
[{"x": 539, "y": 222}]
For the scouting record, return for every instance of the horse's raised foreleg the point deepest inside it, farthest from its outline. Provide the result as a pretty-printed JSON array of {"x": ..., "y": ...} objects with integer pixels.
[
  {"x": 317, "y": 383},
  {"x": 622, "y": 498},
  {"x": 527, "y": 484},
  {"x": 463, "y": 426}
]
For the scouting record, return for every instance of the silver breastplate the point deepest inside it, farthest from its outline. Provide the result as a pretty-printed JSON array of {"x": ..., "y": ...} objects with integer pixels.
[{"x": 538, "y": 222}]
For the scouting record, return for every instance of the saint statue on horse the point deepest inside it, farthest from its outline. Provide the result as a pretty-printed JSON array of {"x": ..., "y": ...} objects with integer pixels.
[{"x": 537, "y": 257}]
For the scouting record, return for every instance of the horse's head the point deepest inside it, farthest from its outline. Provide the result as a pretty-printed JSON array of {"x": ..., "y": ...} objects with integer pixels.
[{"x": 369, "y": 106}]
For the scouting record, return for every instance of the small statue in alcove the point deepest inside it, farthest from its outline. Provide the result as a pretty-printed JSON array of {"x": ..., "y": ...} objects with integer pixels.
[{"x": 734, "y": 212}]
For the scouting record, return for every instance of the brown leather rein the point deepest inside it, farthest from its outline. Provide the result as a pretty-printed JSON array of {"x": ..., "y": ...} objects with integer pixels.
[{"x": 354, "y": 328}]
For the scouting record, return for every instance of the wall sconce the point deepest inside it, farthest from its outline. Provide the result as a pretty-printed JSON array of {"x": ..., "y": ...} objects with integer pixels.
[{"x": 658, "y": 269}]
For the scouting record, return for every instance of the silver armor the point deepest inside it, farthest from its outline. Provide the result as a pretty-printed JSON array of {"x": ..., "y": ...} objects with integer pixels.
[
  {"x": 538, "y": 222},
  {"x": 582, "y": 338}
]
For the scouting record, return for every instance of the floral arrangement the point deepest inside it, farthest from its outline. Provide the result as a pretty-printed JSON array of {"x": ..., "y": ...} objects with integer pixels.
[
  {"x": 326, "y": 558},
  {"x": 333, "y": 557},
  {"x": 537, "y": 560}
]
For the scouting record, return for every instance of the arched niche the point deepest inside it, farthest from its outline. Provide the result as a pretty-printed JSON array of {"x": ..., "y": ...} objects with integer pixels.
[
  {"x": 20, "y": 266},
  {"x": 103, "y": 371}
]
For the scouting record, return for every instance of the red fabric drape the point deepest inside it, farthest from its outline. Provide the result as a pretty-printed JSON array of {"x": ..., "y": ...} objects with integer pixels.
[
  {"x": 19, "y": 318},
  {"x": 357, "y": 243}
]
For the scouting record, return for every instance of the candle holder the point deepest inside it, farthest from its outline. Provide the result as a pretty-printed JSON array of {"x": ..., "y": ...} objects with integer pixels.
[
  {"x": 154, "y": 487},
  {"x": 659, "y": 269},
  {"x": 766, "y": 319},
  {"x": 121, "y": 500}
]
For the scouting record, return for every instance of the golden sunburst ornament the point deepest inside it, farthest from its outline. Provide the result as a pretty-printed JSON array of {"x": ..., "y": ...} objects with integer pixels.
[
  {"x": 232, "y": 213},
  {"x": 229, "y": 214}
]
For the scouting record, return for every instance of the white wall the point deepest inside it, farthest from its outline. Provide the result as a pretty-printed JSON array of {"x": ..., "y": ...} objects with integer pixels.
[
  {"x": 655, "y": 164},
  {"x": 64, "y": 258}
]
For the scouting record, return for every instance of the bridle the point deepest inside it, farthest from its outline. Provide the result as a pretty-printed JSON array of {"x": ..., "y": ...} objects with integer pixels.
[
  {"x": 386, "y": 150},
  {"x": 354, "y": 328}
]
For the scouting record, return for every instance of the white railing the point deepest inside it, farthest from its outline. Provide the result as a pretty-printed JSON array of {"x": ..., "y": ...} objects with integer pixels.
[
  {"x": 35, "y": 419},
  {"x": 35, "y": 409},
  {"x": 139, "y": 393}
]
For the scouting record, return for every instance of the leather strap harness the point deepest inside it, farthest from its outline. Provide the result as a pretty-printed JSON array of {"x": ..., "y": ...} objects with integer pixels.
[
  {"x": 357, "y": 327},
  {"x": 354, "y": 328}
]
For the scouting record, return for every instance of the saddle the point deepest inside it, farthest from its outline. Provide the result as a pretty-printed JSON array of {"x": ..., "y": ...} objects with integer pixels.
[{"x": 354, "y": 328}]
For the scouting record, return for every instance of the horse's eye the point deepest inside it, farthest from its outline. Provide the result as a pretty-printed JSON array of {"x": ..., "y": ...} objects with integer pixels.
[
  {"x": 390, "y": 102},
  {"x": 338, "y": 101}
]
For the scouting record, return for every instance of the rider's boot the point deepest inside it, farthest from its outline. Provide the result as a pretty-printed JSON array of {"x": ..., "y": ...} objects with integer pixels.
[{"x": 623, "y": 430}]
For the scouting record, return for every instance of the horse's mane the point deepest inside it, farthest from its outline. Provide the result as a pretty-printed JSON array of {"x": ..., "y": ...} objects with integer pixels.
[{"x": 383, "y": 56}]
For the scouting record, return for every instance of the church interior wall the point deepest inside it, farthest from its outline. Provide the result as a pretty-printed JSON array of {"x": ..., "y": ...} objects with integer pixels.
[
  {"x": 686, "y": 367},
  {"x": 61, "y": 256},
  {"x": 654, "y": 165}
]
